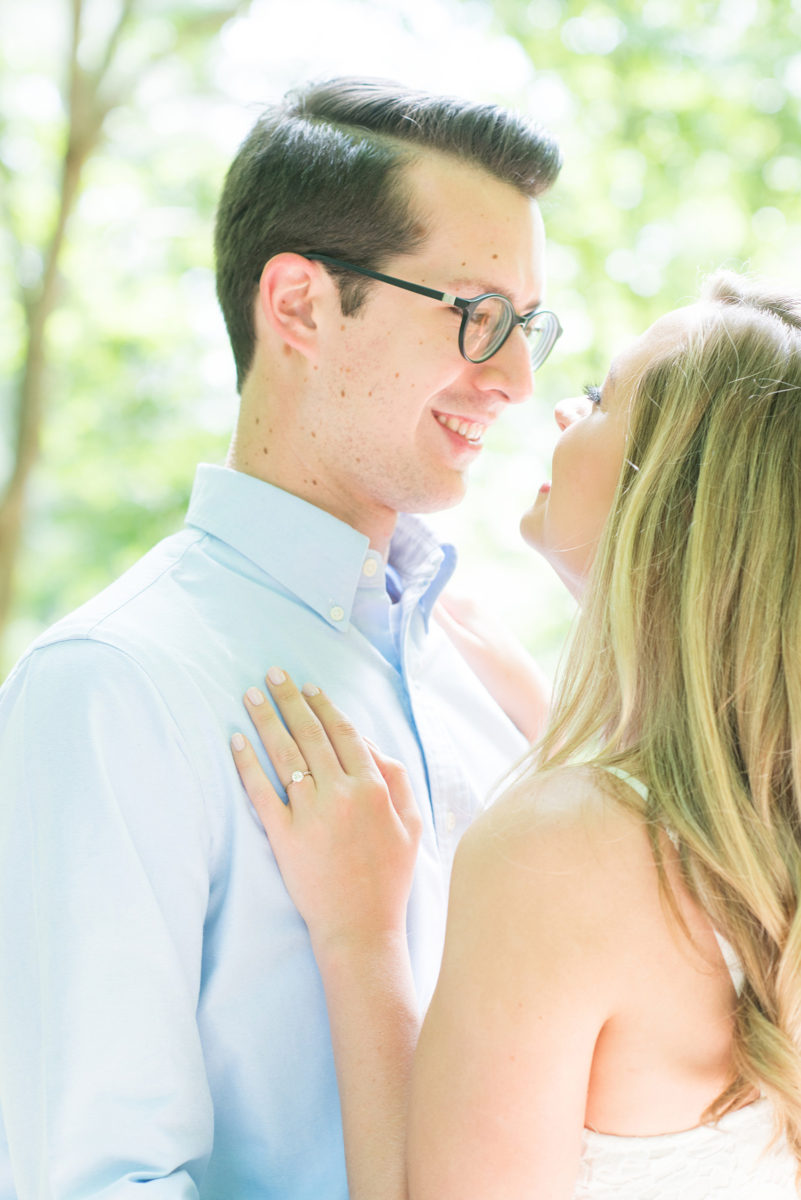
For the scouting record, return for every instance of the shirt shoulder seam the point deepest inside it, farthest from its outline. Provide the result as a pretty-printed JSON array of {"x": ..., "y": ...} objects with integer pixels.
[
  {"x": 90, "y": 629},
  {"x": 96, "y": 639}
]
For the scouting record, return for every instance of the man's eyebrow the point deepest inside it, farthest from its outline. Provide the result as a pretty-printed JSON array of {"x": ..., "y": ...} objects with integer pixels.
[{"x": 467, "y": 287}]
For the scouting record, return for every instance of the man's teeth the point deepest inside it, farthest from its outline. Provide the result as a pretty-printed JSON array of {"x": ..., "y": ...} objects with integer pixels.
[{"x": 472, "y": 431}]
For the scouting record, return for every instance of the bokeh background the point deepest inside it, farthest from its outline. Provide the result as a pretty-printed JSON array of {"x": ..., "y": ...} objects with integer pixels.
[{"x": 681, "y": 129}]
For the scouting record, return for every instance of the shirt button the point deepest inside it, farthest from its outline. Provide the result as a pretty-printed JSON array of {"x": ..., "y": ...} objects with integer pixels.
[
  {"x": 336, "y": 613},
  {"x": 370, "y": 567},
  {"x": 450, "y": 821}
]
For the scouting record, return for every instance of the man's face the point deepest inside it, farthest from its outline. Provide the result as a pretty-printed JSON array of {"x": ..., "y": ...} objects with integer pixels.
[{"x": 400, "y": 416}]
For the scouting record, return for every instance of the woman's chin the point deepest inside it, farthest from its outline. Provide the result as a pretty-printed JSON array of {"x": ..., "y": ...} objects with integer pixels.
[
  {"x": 571, "y": 574},
  {"x": 532, "y": 525}
]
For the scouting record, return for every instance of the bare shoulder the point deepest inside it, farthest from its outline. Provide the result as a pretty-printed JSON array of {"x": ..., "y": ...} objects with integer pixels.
[
  {"x": 561, "y": 848},
  {"x": 567, "y": 818}
]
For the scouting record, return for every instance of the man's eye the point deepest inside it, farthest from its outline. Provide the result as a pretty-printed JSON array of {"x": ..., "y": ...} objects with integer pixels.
[{"x": 592, "y": 393}]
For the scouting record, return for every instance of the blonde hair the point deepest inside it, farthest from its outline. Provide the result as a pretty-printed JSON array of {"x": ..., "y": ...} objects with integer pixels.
[{"x": 685, "y": 666}]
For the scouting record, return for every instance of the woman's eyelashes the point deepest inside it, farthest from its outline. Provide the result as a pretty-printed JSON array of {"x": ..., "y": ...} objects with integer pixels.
[{"x": 592, "y": 393}]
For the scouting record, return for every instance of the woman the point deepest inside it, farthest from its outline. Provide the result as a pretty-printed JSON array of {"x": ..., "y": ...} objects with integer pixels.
[{"x": 618, "y": 1012}]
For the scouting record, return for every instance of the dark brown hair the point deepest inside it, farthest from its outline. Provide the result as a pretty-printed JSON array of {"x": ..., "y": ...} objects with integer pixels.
[{"x": 322, "y": 172}]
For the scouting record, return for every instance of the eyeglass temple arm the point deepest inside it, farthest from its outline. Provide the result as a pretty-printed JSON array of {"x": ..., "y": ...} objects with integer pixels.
[{"x": 401, "y": 283}]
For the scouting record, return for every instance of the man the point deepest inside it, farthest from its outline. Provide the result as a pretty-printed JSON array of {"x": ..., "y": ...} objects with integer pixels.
[{"x": 161, "y": 1017}]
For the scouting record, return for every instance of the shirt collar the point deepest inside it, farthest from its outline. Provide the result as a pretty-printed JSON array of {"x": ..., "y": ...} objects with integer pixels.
[
  {"x": 315, "y": 556},
  {"x": 420, "y": 562}
]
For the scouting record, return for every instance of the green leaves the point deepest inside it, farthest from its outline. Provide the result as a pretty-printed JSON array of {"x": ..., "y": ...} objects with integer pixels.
[{"x": 680, "y": 124}]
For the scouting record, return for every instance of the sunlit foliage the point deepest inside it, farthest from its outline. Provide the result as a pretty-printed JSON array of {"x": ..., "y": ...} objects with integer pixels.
[{"x": 680, "y": 124}]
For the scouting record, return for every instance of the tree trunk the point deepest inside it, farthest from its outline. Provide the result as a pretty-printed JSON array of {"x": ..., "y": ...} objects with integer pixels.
[
  {"x": 87, "y": 109},
  {"x": 85, "y": 120}
]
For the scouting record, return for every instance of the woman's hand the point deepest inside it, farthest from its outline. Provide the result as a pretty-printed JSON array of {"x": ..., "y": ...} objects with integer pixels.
[
  {"x": 500, "y": 660},
  {"x": 346, "y": 842}
]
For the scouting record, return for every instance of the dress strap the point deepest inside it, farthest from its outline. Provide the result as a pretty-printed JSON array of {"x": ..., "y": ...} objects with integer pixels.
[
  {"x": 631, "y": 780},
  {"x": 735, "y": 967}
]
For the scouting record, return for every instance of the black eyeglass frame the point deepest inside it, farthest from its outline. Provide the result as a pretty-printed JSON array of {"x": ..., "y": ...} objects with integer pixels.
[{"x": 468, "y": 307}]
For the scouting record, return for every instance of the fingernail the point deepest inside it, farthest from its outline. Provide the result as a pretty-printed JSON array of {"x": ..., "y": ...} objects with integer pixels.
[
  {"x": 276, "y": 675},
  {"x": 238, "y": 741},
  {"x": 310, "y": 689},
  {"x": 255, "y": 696}
]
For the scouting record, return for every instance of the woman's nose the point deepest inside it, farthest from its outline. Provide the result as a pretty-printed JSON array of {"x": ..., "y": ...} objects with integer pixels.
[{"x": 567, "y": 412}]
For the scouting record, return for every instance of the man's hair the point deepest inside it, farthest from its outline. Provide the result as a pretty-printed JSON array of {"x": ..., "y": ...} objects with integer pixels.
[
  {"x": 323, "y": 172},
  {"x": 685, "y": 670}
]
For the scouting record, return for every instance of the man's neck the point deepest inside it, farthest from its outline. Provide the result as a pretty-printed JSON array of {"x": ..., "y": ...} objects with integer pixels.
[{"x": 272, "y": 467}]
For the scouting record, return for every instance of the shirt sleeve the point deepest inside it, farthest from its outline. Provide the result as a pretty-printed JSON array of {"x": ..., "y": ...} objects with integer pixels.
[{"x": 104, "y": 885}]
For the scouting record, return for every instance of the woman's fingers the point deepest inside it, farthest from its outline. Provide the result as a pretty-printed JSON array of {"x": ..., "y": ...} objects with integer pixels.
[
  {"x": 396, "y": 778},
  {"x": 348, "y": 744},
  {"x": 272, "y": 812},
  {"x": 296, "y": 743},
  {"x": 346, "y": 843},
  {"x": 324, "y": 736},
  {"x": 311, "y": 743}
]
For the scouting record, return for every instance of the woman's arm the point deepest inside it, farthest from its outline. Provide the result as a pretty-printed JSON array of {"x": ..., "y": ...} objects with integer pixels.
[
  {"x": 503, "y": 1063},
  {"x": 346, "y": 845},
  {"x": 499, "y": 659},
  {"x": 500, "y": 1079},
  {"x": 374, "y": 1022}
]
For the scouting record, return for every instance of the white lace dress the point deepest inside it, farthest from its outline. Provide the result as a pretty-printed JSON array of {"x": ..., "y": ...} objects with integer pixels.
[{"x": 726, "y": 1161}]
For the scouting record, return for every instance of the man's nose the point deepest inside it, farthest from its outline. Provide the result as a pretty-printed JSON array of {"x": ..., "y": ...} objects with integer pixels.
[
  {"x": 567, "y": 412},
  {"x": 509, "y": 370}
]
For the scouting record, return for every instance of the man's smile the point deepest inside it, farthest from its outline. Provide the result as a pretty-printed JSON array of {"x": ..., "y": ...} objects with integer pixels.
[{"x": 471, "y": 431}]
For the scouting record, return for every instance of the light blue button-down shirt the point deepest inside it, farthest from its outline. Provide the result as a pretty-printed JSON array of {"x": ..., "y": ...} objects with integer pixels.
[{"x": 162, "y": 1019}]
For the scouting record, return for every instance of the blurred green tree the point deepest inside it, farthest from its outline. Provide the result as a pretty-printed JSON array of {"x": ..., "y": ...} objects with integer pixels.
[
  {"x": 96, "y": 409},
  {"x": 680, "y": 126}
]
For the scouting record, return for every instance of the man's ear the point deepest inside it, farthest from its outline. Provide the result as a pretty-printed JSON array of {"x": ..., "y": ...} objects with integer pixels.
[{"x": 291, "y": 290}]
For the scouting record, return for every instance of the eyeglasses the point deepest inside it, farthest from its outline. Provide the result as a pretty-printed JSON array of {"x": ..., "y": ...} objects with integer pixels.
[{"x": 487, "y": 321}]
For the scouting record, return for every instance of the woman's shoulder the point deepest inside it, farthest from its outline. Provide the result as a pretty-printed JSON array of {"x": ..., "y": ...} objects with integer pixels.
[
  {"x": 578, "y": 810},
  {"x": 570, "y": 846}
]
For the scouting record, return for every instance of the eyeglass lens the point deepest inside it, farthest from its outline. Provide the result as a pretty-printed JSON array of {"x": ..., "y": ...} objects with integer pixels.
[
  {"x": 486, "y": 327},
  {"x": 489, "y": 323}
]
